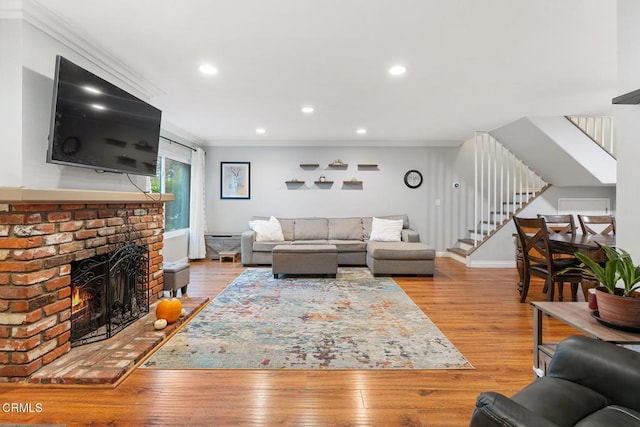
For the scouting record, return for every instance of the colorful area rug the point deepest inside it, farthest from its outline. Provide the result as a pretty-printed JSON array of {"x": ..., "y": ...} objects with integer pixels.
[{"x": 355, "y": 321}]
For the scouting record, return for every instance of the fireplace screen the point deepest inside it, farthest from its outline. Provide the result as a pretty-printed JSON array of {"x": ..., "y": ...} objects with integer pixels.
[{"x": 109, "y": 292}]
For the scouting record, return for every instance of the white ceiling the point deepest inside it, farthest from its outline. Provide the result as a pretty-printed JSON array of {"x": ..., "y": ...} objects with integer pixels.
[{"x": 472, "y": 65}]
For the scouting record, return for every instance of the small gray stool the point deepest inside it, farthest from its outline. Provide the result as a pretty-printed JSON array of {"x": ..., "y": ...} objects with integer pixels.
[{"x": 176, "y": 276}]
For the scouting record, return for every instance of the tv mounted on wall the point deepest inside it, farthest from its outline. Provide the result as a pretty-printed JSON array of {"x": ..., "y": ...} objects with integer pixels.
[{"x": 97, "y": 125}]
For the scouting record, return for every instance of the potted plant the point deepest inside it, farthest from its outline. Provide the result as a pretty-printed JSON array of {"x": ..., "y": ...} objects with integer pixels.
[{"x": 616, "y": 305}]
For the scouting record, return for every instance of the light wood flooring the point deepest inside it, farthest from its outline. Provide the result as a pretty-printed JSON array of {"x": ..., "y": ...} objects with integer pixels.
[{"x": 477, "y": 309}]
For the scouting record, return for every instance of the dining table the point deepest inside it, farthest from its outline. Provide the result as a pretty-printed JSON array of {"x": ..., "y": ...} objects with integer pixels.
[{"x": 588, "y": 244}]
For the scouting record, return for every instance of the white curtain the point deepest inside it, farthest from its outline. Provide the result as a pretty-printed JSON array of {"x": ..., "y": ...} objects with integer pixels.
[{"x": 197, "y": 211}]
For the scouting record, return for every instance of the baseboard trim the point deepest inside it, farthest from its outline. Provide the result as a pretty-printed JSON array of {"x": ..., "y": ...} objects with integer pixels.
[{"x": 492, "y": 264}]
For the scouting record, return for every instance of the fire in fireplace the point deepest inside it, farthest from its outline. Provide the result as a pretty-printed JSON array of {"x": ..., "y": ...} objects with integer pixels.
[{"x": 108, "y": 292}]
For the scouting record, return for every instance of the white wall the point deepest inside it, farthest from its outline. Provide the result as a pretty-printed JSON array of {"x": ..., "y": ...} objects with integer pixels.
[
  {"x": 38, "y": 66},
  {"x": 628, "y": 123},
  {"x": 10, "y": 101},
  {"x": 176, "y": 247},
  {"x": 546, "y": 142},
  {"x": 383, "y": 191}
]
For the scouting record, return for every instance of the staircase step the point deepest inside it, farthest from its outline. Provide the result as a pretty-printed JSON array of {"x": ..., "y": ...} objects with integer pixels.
[
  {"x": 458, "y": 251},
  {"x": 466, "y": 244},
  {"x": 483, "y": 232}
]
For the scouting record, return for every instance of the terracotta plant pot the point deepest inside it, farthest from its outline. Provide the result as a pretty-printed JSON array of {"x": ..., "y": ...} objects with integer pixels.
[{"x": 617, "y": 309}]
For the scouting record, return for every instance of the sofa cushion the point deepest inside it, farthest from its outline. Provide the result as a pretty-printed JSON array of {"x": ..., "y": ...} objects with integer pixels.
[
  {"x": 345, "y": 229},
  {"x": 267, "y": 231},
  {"x": 613, "y": 415},
  {"x": 287, "y": 225},
  {"x": 366, "y": 227},
  {"x": 305, "y": 249},
  {"x": 400, "y": 251},
  {"x": 349, "y": 245},
  {"x": 267, "y": 246},
  {"x": 573, "y": 401},
  {"x": 311, "y": 229},
  {"x": 310, "y": 242},
  {"x": 386, "y": 230}
]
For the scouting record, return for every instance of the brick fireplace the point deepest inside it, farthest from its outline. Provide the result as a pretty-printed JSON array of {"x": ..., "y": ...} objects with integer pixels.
[{"x": 38, "y": 243}]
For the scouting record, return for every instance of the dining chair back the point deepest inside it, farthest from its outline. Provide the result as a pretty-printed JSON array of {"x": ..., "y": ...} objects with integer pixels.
[
  {"x": 597, "y": 224},
  {"x": 561, "y": 224},
  {"x": 539, "y": 261}
]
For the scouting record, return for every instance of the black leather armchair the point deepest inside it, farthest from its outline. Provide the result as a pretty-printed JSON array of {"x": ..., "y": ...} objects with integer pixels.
[{"x": 588, "y": 383}]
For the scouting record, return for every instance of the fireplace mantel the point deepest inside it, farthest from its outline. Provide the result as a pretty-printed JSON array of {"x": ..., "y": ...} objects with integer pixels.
[{"x": 59, "y": 195}]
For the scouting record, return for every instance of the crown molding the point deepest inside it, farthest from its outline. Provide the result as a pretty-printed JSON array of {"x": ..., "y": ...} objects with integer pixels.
[
  {"x": 174, "y": 131},
  {"x": 11, "y": 9},
  {"x": 37, "y": 14},
  {"x": 333, "y": 143}
]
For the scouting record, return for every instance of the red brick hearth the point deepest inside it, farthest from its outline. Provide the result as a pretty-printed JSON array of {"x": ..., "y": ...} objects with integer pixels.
[{"x": 38, "y": 242}]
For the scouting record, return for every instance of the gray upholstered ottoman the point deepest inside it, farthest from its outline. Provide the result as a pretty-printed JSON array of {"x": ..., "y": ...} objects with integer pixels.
[
  {"x": 387, "y": 258},
  {"x": 176, "y": 276},
  {"x": 305, "y": 259}
]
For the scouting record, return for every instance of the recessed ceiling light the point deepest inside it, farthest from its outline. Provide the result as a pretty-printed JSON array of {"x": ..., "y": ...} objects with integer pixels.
[
  {"x": 361, "y": 131},
  {"x": 307, "y": 109},
  {"x": 92, "y": 90},
  {"x": 397, "y": 70},
  {"x": 261, "y": 131},
  {"x": 208, "y": 69}
]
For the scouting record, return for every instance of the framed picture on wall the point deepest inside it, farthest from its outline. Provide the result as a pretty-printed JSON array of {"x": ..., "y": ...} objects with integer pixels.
[{"x": 235, "y": 180}]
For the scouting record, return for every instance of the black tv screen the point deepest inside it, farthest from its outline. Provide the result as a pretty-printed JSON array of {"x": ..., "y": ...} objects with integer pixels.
[{"x": 97, "y": 125}]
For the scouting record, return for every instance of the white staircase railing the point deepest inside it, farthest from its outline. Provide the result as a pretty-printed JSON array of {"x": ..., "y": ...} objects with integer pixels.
[
  {"x": 601, "y": 129},
  {"x": 503, "y": 185}
]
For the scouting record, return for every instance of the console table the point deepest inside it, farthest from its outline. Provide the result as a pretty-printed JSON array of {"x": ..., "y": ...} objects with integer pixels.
[
  {"x": 217, "y": 243},
  {"x": 576, "y": 315}
]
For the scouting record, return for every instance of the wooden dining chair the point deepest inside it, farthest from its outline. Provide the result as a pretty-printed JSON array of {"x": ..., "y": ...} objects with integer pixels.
[
  {"x": 539, "y": 260},
  {"x": 561, "y": 224},
  {"x": 597, "y": 224}
]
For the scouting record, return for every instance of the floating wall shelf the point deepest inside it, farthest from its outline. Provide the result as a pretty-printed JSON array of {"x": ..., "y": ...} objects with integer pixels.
[
  {"x": 338, "y": 165},
  {"x": 367, "y": 166},
  {"x": 352, "y": 182},
  {"x": 309, "y": 165}
]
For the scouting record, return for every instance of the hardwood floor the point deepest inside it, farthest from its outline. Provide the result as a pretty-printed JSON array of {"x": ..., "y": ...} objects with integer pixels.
[{"x": 477, "y": 309}]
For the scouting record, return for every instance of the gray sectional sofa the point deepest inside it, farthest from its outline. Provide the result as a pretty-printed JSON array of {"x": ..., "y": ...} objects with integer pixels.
[{"x": 351, "y": 236}]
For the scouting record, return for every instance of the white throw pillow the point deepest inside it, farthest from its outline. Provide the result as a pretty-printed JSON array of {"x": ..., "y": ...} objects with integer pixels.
[
  {"x": 386, "y": 230},
  {"x": 267, "y": 231}
]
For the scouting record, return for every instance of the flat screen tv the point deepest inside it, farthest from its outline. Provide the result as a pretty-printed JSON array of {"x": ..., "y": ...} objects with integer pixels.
[{"x": 97, "y": 125}]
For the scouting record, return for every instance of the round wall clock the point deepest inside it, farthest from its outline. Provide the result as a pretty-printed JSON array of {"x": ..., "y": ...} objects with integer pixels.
[{"x": 413, "y": 178}]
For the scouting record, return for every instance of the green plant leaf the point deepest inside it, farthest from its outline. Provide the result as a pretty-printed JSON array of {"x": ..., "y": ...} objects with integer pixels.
[
  {"x": 618, "y": 267},
  {"x": 608, "y": 275}
]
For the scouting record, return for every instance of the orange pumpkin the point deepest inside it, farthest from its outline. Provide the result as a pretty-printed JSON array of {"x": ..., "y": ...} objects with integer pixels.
[{"x": 169, "y": 309}]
